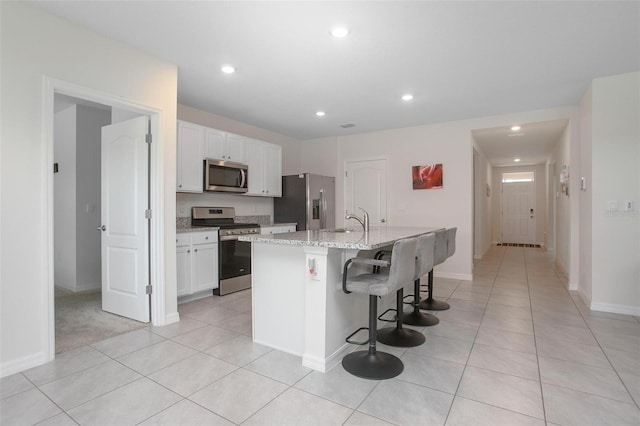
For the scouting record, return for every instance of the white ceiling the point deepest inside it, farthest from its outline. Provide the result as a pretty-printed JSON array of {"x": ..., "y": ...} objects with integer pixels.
[
  {"x": 532, "y": 143},
  {"x": 459, "y": 59}
]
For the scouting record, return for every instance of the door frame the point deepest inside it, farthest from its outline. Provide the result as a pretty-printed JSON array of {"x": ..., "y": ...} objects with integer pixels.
[
  {"x": 535, "y": 205},
  {"x": 51, "y": 86}
]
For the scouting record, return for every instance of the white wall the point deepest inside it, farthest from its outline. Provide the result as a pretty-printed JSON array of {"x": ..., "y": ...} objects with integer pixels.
[
  {"x": 560, "y": 157},
  {"x": 446, "y": 143},
  {"x": 320, "y": 157},
  {"x": 64, "y": 191},
  {"x": 540, "y": 205},
  {"x": 615, "y": 147},
  {"x": 88, "y": 186},
  {"x": 36, "y": 44},
  {"x": 586, "y": 224},
  {"x": 483, "y": 208},
  {"x": 77, "y": 255}
]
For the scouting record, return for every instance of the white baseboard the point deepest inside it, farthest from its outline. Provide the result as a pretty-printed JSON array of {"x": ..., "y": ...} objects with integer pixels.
[
  {"x": 585, "y": 299},
  {"x": 17, "y": 365},
  {"x": 194, "y": 296},
  {"x": 278, "y": 348},
  {"x": 171, "y": 318},
  {"x": 616, "y": 309},
  {"x": 324, "y": 365},
  {"x": 89, "y": 286}
]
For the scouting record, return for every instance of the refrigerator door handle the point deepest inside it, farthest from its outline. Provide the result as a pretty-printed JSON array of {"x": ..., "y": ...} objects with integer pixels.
[{"x": 323, "y": 210}]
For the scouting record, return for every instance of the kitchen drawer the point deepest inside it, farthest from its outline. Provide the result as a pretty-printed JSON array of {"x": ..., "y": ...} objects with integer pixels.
[
  {"x": 204, "y": 237},
  {"x": 183, "y": 239}
]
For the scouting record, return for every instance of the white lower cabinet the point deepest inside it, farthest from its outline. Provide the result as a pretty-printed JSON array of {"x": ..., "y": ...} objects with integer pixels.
[
  {"x": 266, "y": 229},
  {"x": 196, "y": 262}
]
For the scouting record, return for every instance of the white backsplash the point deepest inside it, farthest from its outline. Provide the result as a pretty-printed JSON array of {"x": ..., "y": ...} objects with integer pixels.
[{"x": 244, "y": 205}]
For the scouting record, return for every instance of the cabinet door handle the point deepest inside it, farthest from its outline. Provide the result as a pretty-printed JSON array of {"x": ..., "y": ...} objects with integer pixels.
[
  {"x": 195, "y": 250},
  {"x": 179, "y": 186},
  {"x": 206, "y": 238},
  {"x": 101, "y": 228},
  {"x": 188, "y": 251}
]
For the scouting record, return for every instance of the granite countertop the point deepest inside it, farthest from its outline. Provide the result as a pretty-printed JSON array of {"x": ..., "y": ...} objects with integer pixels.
[{"x": 355, "y": 238}]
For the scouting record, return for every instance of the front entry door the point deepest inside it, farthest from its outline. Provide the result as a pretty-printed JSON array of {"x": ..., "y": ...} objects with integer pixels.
[
  {"x": 366, "y": 188},
  {"x": 125, "y": 229},
  {"x": 518, "y": 214}
]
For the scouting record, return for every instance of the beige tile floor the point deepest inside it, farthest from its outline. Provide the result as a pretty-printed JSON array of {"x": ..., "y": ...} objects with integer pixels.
[{"x": 514, "y": 349}]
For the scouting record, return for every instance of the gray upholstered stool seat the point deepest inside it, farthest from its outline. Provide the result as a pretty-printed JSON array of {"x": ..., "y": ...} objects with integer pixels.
[
  {"x": 424, "y": 264},
  {"x": 371, "y": 364},
  {"x": 440, "y": 254}
]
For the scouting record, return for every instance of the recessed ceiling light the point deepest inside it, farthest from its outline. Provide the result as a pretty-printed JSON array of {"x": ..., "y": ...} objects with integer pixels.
[
  {"x": 517, "y": 160},
  {"x": 339, "y": 32},
  {"x": 228, "y": 69},
  {"x": 515, "y": 128},
  {"x": 407, "y": 97},
  {"x": 320, "y": 113}
]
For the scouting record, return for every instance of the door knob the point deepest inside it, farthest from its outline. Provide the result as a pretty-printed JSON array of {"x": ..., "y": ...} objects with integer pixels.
[{"x": 101, "y": 228}]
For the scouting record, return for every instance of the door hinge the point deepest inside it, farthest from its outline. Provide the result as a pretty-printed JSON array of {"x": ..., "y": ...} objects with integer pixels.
[
  {"x": 346, "y": 173},
  {"x": 147, "y": 214},
  {"x": 148, "y": 289},
  {"x": 147, "y": 138}
]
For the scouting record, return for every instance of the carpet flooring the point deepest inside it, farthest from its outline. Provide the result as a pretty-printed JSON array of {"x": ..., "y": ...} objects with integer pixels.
[{"x": 81, "y": 321}]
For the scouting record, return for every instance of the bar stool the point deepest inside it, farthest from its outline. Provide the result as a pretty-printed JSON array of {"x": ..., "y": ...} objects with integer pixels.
[
  {"x": 371, "y": 364},
  {"x": 440, "y": 254},
  {"x": 424, "y": 264}
]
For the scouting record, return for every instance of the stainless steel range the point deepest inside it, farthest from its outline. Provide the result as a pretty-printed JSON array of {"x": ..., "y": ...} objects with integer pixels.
[{"x": 234, "y": 257}]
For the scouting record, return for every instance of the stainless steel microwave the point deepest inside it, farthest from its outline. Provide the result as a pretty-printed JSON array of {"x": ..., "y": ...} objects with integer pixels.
[{"x": 225, "y": 176}]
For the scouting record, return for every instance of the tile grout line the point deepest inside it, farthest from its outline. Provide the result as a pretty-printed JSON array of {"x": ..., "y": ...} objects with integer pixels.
[
  {"x": 474, "y": 340},
  {"x": 535, "y": 340}
]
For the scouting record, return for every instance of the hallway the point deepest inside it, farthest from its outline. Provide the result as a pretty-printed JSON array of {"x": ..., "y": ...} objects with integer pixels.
[{"x": 516, "y": 348}]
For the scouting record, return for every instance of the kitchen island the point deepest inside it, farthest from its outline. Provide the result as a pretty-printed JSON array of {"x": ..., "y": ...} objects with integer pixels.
[{"x": 298, "y": 304}]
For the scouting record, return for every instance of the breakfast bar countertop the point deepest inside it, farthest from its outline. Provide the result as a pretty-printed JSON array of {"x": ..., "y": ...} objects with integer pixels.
[{"x": 344, "y": 238}]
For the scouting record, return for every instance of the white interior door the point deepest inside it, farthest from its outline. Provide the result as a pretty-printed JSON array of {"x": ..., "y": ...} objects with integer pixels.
[
  {"x": 518, "y": 213},
  {"x": 366, "y": 188},
  {"x": 125, "y": 233}
]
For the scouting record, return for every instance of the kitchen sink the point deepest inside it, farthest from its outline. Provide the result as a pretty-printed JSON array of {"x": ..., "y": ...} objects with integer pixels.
[{"x": 340, "y": 230}]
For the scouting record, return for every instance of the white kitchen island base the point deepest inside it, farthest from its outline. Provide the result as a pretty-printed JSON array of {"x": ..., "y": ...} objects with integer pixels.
[
  {"x": 302, "y": 313},
  {"x": 298, "y": 304}
]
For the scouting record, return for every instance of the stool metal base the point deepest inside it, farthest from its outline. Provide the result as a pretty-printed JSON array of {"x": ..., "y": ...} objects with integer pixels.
[
  {"x": 400, "y": 337},
  {"x": 420, "y": 318},
  {"x": 433, "y": 305},
  {"x": 374, "y": 366}
]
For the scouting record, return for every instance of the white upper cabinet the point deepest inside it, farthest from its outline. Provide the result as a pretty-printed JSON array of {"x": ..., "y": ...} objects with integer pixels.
[
  {"x": 195, "y": 143},
  {"x": 265, "y": 168},
  {"x": 273, "y": 170},
  {"x": 224, "y": 146},
  {"x": 190, "y": 153}
]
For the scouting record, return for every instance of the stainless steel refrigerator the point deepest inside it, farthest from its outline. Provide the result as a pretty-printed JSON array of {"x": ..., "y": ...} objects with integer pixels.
[{"x": 308, "y": 200}]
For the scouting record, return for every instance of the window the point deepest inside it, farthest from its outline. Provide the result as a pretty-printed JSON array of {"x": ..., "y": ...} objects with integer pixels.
[{"x": 518, "y": 177}]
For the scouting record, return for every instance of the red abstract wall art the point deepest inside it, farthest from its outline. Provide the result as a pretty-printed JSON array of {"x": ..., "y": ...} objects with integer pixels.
[{"x": 427, "y": 177}]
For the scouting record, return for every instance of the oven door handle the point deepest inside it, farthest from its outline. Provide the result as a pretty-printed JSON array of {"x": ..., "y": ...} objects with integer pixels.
[{"x": 228, "y": 238}]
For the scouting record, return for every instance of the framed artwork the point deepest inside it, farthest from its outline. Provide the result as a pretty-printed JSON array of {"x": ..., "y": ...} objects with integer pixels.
[{"x": 427, "y": 177}]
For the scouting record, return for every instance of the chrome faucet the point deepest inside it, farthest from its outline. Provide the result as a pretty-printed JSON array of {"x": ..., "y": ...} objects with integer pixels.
[{"x": 364, "y": 221}]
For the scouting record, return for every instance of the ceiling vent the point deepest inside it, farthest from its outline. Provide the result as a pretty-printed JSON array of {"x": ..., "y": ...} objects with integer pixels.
[{"x": 347, "y": 125}]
